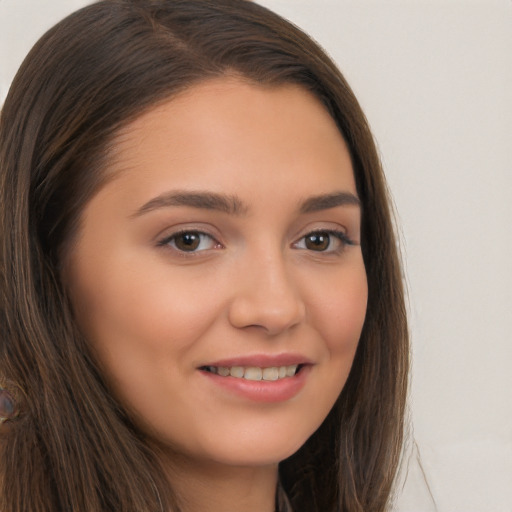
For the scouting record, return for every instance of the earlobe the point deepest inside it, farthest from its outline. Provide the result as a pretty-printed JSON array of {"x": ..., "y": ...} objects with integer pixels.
[{"x": 8, "y": 405}]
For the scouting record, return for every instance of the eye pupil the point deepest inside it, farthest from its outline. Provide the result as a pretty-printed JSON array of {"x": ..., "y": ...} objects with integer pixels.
[
  {"x": 317, "y": 241},
  {"x": 187, "y": 241}
]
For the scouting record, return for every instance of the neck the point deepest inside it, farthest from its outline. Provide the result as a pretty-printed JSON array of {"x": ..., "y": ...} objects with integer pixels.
[{"x": 217, "y": 487}]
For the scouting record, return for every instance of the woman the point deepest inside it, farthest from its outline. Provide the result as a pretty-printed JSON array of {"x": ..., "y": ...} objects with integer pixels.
[{"x": 202, "y": 305}]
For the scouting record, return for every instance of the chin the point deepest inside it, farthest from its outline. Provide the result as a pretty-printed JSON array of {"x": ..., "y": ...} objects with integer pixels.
[{"x": 254, "y": 448}]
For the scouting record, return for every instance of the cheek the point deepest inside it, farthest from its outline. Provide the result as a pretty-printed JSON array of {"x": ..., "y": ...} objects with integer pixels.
[
  {"x": 338, "y": 314},
  {"x": 120, "y": 298},
  {"x": 340, "y": 311},
  {"x": 141, "y": 320},
  {"x": 143, "y": 327}
]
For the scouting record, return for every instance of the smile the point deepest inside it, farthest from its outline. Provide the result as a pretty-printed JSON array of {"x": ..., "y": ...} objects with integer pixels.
[{"x": 271, "y": 373}]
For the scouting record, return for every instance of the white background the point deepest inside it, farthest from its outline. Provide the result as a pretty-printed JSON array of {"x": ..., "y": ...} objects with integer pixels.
[{"x": 434, "y": 79}]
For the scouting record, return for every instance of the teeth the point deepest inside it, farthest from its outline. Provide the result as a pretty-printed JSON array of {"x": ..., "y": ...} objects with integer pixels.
[
  {"x": 222, "y": 370},
  {"x": 254, "y": 372},
  {"x": 291, "y": 370},
  {"x": 237, "y": 371},
  {"x": 270, "y": 373}
]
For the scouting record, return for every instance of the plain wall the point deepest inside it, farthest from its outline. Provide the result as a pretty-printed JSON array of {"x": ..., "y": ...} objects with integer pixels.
[{"x": 434, "y": 79}]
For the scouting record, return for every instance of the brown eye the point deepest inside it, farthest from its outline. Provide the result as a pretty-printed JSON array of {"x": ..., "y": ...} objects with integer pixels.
[
  {"x": 329, "y": 241},
  {"x": 317, "y": 241},
  {"x": 189, "y": 241}
]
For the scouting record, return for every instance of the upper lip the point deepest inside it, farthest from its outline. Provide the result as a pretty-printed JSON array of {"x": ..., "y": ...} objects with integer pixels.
[{"x": 262, "y": 360}]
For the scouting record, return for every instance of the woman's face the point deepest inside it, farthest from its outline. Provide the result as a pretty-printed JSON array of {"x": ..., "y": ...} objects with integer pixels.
[{"x": 219, "y": 276}]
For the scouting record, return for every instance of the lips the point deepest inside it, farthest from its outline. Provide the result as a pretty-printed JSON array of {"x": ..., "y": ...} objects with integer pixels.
[
  {"x": 262, "y": 360},
  {"x": 271, "y": 373},
  {"x": 261, "y": 378}
]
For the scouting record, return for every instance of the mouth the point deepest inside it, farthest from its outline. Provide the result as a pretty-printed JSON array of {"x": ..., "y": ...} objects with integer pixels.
[
  {"x": 259, "y": 378},
  {"x": 255, "y": 373}
]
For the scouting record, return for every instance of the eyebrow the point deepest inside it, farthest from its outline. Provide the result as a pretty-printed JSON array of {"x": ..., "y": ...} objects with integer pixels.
[
  {"x": 232, "y": 205},
  {"x": 203, "y": 200},
  {"x": 327, "y": 201}
]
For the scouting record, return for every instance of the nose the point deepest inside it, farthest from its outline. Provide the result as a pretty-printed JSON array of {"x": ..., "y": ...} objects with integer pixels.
[{"x": 266, "y": 297}]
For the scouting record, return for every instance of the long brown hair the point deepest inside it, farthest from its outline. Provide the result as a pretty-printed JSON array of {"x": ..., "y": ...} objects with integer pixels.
[{"x": 72, "y": 446}]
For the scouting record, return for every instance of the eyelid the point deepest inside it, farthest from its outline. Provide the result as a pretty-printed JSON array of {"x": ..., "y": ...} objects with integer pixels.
[
  {"x": 165, "y": 241},
  {"x": 340, "y": 234},
  {"x": 170, "y": 230}
]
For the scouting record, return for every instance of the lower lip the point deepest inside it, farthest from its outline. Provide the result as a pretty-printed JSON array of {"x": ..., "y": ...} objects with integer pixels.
[{"x": 262, "y": 390}]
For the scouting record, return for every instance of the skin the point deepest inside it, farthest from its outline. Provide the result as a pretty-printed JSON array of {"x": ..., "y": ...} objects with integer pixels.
[{"x": 155, "y": 314}]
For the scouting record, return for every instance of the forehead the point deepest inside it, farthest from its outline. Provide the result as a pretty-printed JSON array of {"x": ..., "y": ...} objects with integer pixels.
[
  {"x": 276, "y": 112},
  {"x": 227, "y": 132}
]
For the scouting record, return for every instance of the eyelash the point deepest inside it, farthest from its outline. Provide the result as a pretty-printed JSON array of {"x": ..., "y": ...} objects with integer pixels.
[
  {"x": 170, "y": 241},
  {"x": 341, "y": 236}
]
